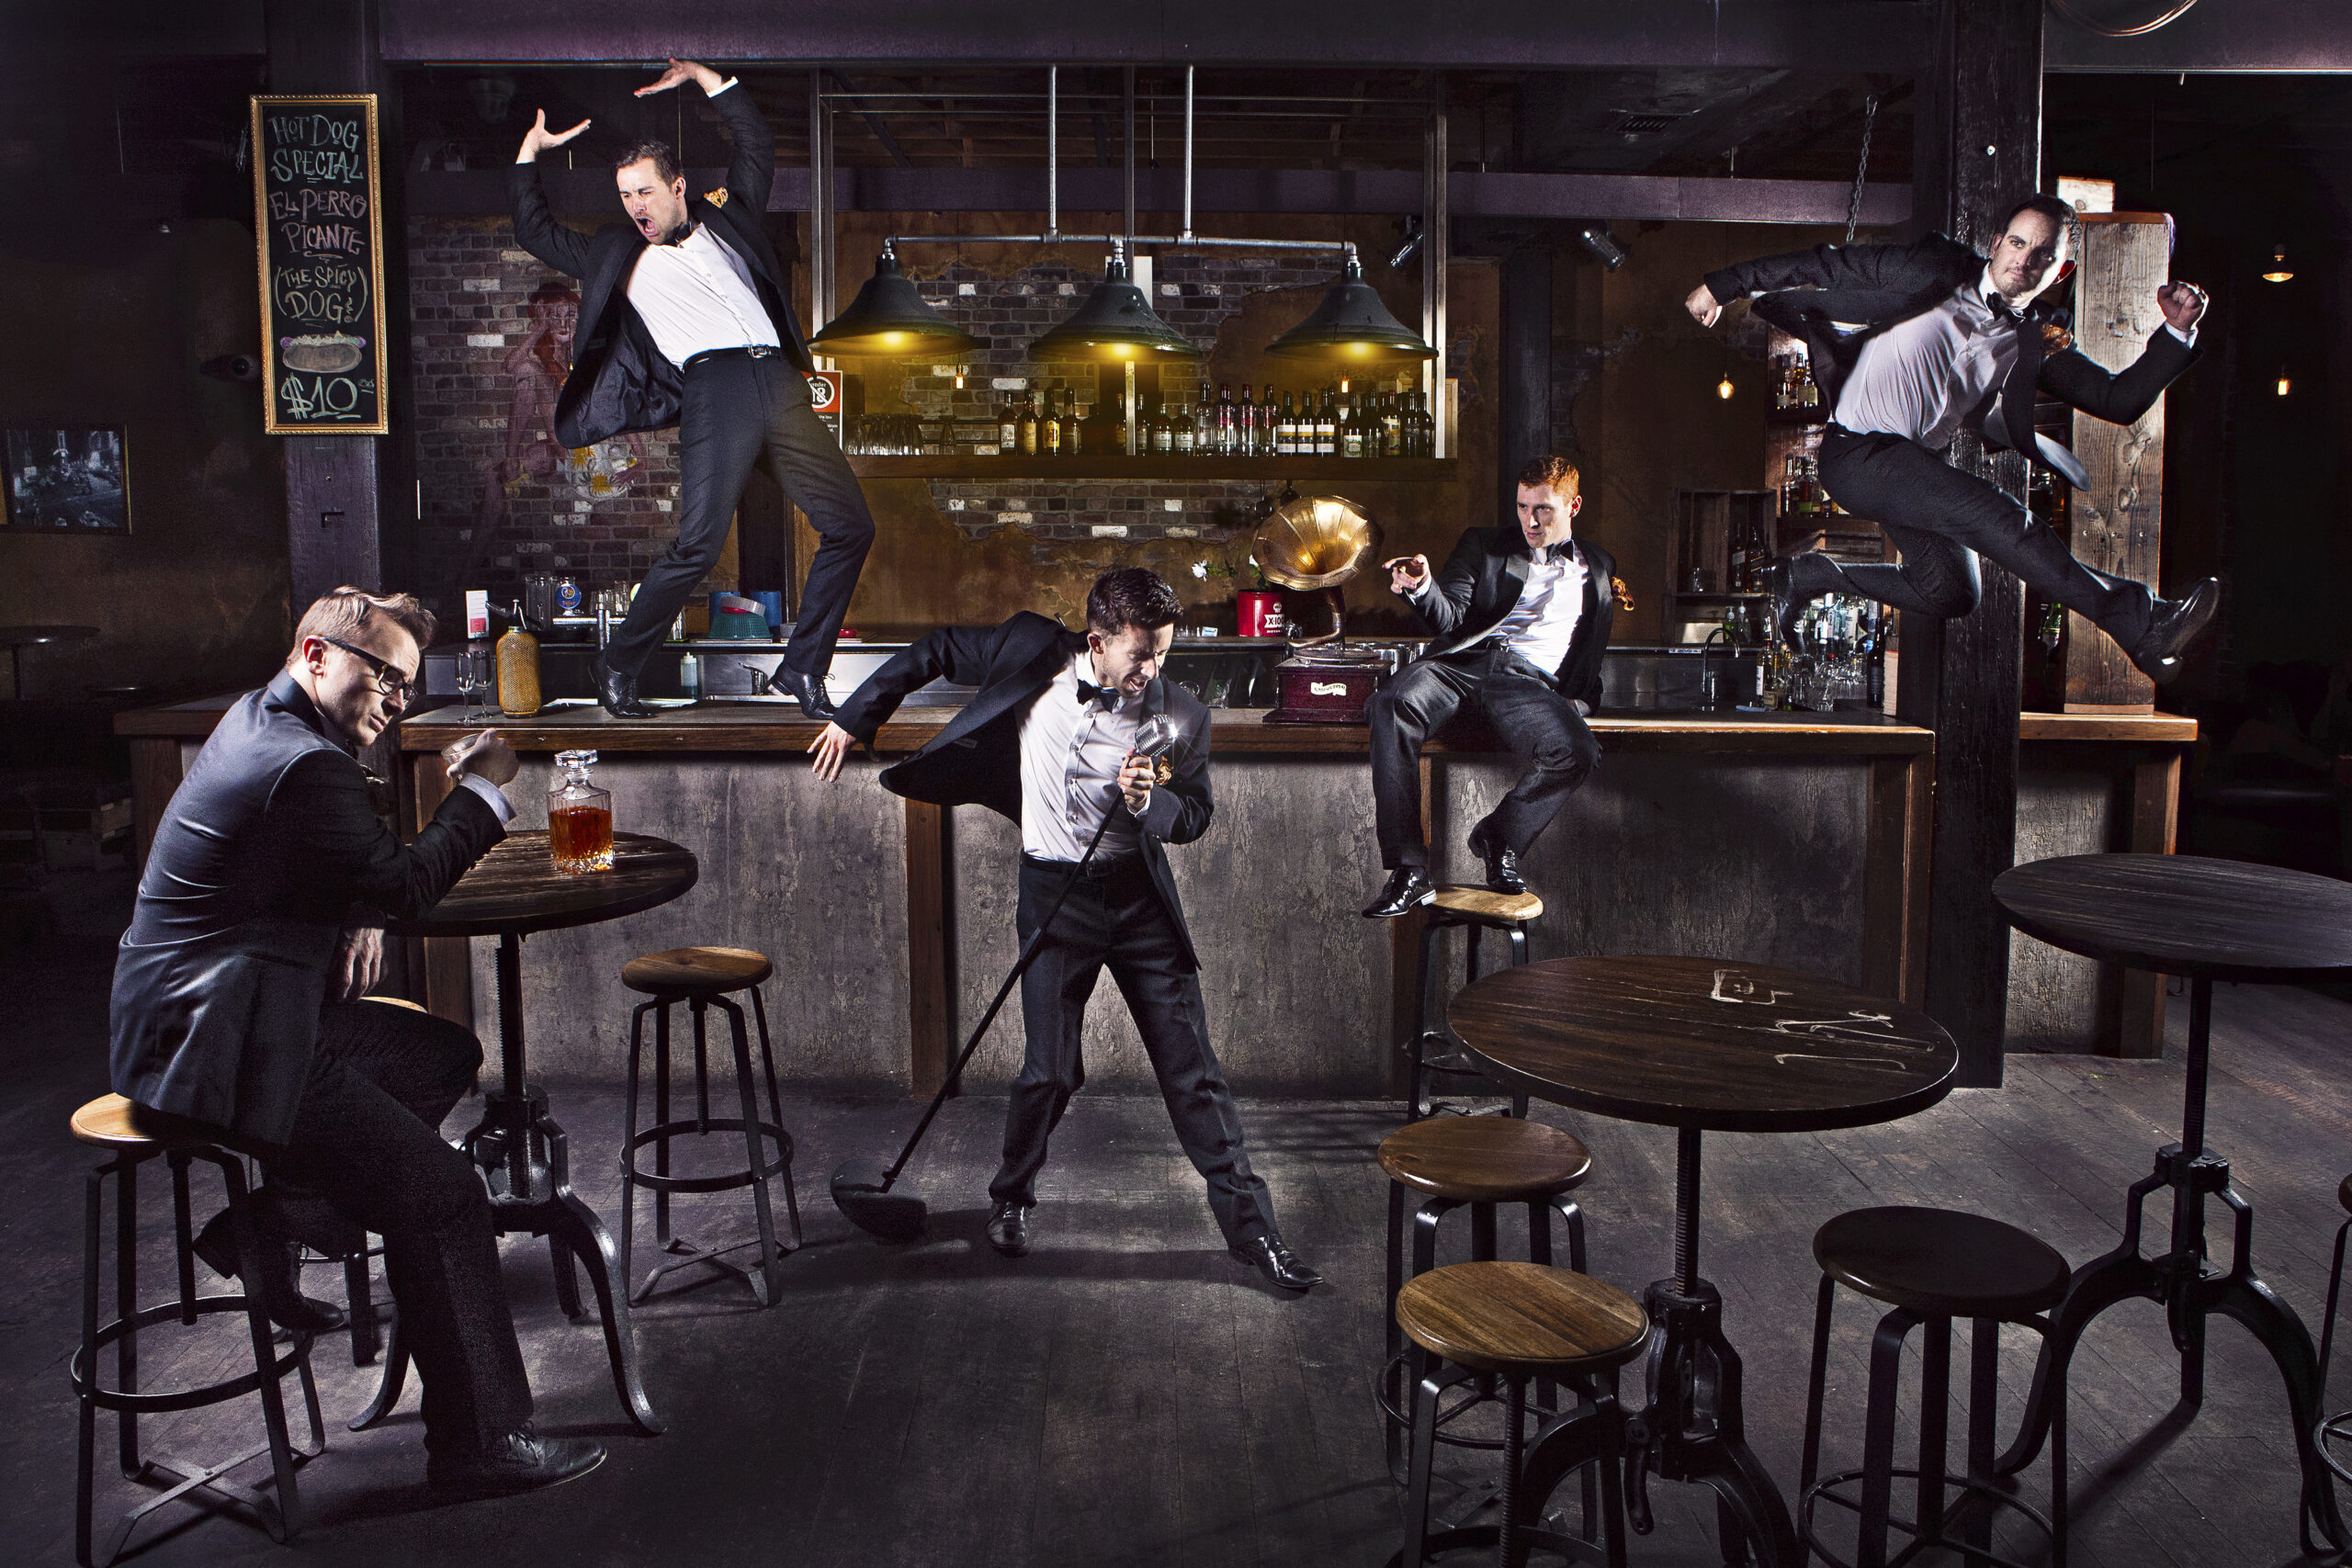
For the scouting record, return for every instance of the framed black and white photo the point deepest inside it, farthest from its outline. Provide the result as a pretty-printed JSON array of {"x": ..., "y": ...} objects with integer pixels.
[{"x": 65, "y": 481}]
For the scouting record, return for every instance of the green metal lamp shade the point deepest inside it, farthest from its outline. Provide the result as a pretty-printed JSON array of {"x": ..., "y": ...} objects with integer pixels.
[
  {"x": 1116, "y": 322},
  {"x": 890, "y": 319},
  {"x": 1350, "y": 326}
]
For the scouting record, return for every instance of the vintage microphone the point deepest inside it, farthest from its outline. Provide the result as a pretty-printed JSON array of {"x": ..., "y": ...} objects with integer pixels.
[{"x": 863, "y": 1191}]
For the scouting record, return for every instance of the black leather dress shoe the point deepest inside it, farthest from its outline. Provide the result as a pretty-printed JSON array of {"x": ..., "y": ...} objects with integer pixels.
[
  {"x": 280, "y": 1284},
  {"x": 1009, "y": 1228},
  {"x": 617, "y": 691},
  {"x": 519, "y": 1461},
  {"x": 1779, "y": 579},
  {"x": 1502, "y": 865},
  {"x": 815, "y": 701},
  {"x": 1278, "y": 1263},
  {"x": 1409, "y": 887},
  {"x": 2174, "y": 628}
]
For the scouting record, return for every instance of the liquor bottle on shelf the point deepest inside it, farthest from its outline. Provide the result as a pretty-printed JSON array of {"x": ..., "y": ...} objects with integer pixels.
[
  {"x": 1287, "y": 429},
  {"x": 1222, "y": 442},
  {"x": 1392, "y": 428},
  {"x": 1008, "y": 427},
  {"x": 1419, "y": 440},
  {"x": 1352, "y": 432},
  {"x": 1245, "y": 423},
  {"x": 1049, "y": 429},
  {"x": 1074, "y": 429},
  {"x": 1808, "y": 389},
  {"x": 1183, "y": 432},
  {"x": 1029, "y": 426},
  {"x": 580, "y": 818},
  {"x": 1161, "y": 429},
  {"x": 1326, "y": 427}
]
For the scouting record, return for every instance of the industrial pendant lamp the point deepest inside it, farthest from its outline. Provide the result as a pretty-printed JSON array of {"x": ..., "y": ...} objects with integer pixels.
[
  {"x": 890, "y": 319},
  {"x": 2278, "y": 271},
  {"x": 1350, "y": 325},
  {"x": 1116, "y": 322}
]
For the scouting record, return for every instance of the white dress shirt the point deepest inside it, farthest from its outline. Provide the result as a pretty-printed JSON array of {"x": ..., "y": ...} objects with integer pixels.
[
  {"x": 1920, "y": 377},
  {"x": 1540, "y": 628},
  {"x": 698, "y": 295},
  {"x": 491, "y": 795},
  {"x": 1071, "y": 757}
]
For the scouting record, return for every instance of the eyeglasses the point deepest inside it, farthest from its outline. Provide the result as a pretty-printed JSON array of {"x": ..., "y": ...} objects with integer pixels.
[{"x": 388, "y": 681}]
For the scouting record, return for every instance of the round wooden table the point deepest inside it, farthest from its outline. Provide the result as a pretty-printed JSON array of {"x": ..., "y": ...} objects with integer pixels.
[
  {"x": 510, "y": 893},
  {"x": 18, "y": 638},
  {"x": 2206, "y": 920},
  {"x": 1700, "y": 1045}
]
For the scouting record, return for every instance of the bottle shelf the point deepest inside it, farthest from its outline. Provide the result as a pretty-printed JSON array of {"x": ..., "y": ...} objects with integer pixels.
[
  {"x": 1119, "y": 466},
  {"x": 1815, "y": 415}
]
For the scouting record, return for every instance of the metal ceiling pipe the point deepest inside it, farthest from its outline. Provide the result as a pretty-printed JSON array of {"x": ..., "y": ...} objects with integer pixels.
[
  {"x": 1128, "y": 78},
  {"x": 1186, "y": 231},
  {"x": 1053, "y": 149}
]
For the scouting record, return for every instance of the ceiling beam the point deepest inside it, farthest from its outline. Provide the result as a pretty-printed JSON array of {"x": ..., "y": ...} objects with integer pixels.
[
  {"x": 1832, "y": 35},
  {"x": 1633, "y": 197}
]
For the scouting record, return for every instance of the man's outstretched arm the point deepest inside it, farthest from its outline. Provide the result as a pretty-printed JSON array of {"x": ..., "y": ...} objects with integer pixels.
[
  {"x": 751, "y": 171},
  {"x": 559, "y": 246}
]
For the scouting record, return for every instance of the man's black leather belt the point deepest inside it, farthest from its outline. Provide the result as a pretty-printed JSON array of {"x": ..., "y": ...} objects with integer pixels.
[
  {"x": 1101, "y": 866},
  {"x": 748, "y": 351}
]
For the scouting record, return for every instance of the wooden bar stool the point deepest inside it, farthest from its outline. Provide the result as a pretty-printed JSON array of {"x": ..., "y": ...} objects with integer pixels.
[
  {"x": 703, "y": 978},
  {"x": 1480, "y": 1161},
  {"x": 111, "y": 1123},
  {"x": 1931, "y": 1266},
  {"x": 1517, "y": 1321},
  {"x": 1432, "y": 1051}
]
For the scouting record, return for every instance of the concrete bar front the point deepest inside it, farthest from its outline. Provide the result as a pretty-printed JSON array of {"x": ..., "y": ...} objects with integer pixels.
[{"x": 1791, "y": 839}]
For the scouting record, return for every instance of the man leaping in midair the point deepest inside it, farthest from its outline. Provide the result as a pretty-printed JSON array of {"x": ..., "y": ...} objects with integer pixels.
[{"x": 1910, "y": 344}]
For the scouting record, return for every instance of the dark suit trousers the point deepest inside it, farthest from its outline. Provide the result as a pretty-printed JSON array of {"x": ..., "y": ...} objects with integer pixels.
[
  {"x": 1942, "y": 519},
  {"x": 367, "y": 1139},
  {"x": 1116, "y": 918},
  {"x": 731, "y": 411},
  {"x": 1554, "y": 745}
]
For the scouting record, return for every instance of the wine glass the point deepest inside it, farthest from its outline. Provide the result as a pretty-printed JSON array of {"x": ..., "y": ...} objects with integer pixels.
[{"x": 474, "y": 672}]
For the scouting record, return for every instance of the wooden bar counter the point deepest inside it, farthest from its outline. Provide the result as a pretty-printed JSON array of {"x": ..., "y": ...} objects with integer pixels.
[{"x": 1792, "y": 840}]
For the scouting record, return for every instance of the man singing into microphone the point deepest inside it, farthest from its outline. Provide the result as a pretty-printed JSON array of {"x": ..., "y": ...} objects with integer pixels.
[{"x": 1048, "y": 740}]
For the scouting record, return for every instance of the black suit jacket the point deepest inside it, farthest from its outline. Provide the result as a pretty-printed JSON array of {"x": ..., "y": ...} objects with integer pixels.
[
  {"x": 975, "y": 757},
  {"x": 619, "y": 381},
  {"x": 1837, "y": 297},
  {"x": 1479, "y": 585},
  {"x": 261, "y": 856}
]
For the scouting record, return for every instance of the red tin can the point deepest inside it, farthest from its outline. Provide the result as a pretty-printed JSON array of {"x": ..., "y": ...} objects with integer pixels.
[{"x": 1258, "y": 613}]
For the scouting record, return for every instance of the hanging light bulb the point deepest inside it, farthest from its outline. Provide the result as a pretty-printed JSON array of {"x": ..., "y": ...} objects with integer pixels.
[
  {"x": 2278, "y": 271},
  {"x": 1724, "y": 387},
  {"x": 1116, "y": 322},
  {"x": 1352, "y": 326},
  {"x": 889, "y": 319},
  {"x": 2284, "y": 385}
]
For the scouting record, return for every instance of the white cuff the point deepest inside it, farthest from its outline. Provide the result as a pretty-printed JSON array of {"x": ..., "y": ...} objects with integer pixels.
[
  {"x": 491, "y": 795},
  {"x": 1428, "y": 587},
  {"x": 2188, "y": 338},
  {"x": 720, "y": 88}
]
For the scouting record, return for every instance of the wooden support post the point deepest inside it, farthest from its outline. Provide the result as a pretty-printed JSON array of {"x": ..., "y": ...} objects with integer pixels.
[
  {"x": 1978, "y": 147},
  {"x": 928, "y": 1017},
  {"x": 1404, "y": 956},
  {"x": 1895, "y": 877},
  {"x": 2116, "y": 521}
]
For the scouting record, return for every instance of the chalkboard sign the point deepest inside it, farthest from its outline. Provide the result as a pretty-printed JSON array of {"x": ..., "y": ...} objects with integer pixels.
[{"x": 317, "y": 223}]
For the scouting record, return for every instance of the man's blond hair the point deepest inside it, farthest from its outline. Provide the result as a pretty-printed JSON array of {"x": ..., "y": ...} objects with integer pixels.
[{"x": 339, "y": 611}]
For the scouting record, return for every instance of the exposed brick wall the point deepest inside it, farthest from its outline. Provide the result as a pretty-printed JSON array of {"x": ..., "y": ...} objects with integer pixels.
[{"x": 470, "y": 289}]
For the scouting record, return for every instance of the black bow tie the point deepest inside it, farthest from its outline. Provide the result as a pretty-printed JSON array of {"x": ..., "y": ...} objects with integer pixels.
[
  {"x": 1105, "y": 697},
  {"x": 2001, "y": 311}
]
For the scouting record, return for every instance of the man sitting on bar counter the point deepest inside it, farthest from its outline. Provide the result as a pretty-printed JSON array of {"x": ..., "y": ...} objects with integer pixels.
[
  {"x": 1521, "y": 618},
  {"x": 237, "y": 1014},
  {"x": 1912, "y": 343},
  {"x": 1048, "y": 741},
  {"x": 684, "y": 321}
]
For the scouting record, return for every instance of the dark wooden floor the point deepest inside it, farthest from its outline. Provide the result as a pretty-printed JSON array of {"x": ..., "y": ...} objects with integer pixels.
[{"x": 1127, "y": 1394}]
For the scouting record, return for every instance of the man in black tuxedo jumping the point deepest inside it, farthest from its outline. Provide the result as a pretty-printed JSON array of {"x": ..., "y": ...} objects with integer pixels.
[
  {"x": 1048, "y": 740},
  {"x": 1521, "y": 618},
  {"x": 1911, "y": 343},
  {"x": 684, "y": 321}
]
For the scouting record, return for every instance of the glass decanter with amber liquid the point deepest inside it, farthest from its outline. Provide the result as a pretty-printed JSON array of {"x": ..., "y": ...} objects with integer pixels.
[{"x": 580, "y": 818}]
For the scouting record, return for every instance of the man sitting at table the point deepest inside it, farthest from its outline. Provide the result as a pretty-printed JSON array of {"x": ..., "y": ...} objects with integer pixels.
[
  {"x": 237, "y": 1015},
  {"x": 1522, "y": 616},
  {"x": 1048, "y": 741}
]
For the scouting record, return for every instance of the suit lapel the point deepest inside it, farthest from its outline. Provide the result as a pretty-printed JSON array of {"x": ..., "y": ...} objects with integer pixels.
[{"x": 1000, "y": 696}]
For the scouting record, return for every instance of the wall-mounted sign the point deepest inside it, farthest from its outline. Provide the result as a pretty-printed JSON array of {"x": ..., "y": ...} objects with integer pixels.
[
  {"x": 825, "y": 397},
  {"x": 317, "y": 221}
]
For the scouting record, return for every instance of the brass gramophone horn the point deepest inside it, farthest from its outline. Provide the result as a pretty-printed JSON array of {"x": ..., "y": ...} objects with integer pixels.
[{"x": 1315, "y": 542}]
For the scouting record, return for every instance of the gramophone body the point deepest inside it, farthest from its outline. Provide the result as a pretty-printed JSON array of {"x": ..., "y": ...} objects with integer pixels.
[{"x": 1314, "y": 545}]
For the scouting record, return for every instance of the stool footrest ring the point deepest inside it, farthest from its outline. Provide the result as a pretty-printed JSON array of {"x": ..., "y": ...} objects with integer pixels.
[
  {"x": 1972, "y": 1491},
  {"x": 724, "y": 1182},
  {"x": 177, "y": 1399}
]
